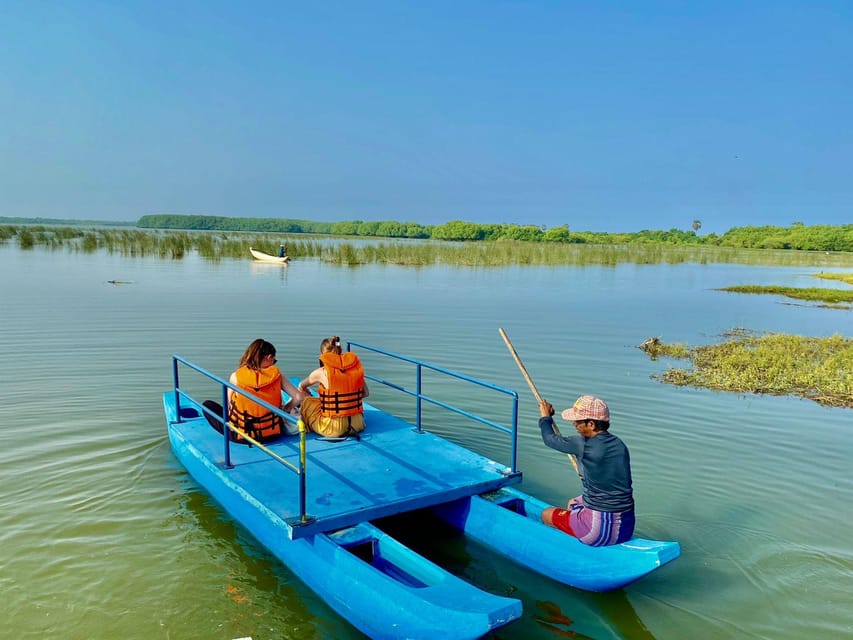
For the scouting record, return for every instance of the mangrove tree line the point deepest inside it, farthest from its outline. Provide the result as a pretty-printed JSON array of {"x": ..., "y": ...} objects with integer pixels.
[{"x": 797, "y": 237}]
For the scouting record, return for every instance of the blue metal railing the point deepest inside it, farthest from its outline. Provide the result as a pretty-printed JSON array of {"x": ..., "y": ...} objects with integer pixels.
[
  {"x": 300, "y": 470},
  {"x": 421, "y": 398}
]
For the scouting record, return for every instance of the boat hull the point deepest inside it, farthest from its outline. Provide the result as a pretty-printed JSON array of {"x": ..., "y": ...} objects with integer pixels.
[
  {"x": 265, "y": 257},
  {"x": 509, "y": 521},
  {"x": 373, "y": 581}
]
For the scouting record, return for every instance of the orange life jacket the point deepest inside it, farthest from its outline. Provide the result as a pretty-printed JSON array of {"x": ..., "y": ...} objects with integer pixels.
[
  {"x": 256, "y": 420},
  {"x": 346, "y": 385}
]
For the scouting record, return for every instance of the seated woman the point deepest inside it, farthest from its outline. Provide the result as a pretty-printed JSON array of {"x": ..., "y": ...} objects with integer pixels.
[
  {"x": 258, "y": 375},
  {"x": 338, "y": 411}
]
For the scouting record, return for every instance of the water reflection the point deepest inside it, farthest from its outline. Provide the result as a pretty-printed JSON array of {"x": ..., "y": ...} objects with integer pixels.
[
  {"x": 269, "y": 269},
  {"x": 254, "y": 594}
]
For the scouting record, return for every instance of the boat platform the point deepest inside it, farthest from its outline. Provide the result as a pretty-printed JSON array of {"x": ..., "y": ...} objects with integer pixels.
[{"x": 391, "y": 468}]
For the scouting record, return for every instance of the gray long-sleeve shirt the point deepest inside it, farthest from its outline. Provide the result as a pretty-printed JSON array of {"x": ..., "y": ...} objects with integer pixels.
[{"x": 606, "y": 466}]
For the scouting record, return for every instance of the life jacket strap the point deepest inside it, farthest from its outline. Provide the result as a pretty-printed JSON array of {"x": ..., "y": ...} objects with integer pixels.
[
  {"x": 337, "y": 402},
  {"x": 258, "y": 427}
]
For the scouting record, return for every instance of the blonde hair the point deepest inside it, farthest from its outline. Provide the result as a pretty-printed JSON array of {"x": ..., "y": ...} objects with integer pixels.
[{"x": 331, "y": 344}]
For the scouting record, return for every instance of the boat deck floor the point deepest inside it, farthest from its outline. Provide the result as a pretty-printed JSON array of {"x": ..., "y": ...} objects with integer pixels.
[{"x": 391, "y": 469}]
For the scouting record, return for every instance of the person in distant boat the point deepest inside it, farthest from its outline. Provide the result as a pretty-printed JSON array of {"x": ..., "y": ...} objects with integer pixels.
[
  {"x": 282, "y": 251},
  {"x": 338, "y": 410},
  {"x": 258, "y": 374},
  {"x": 604, "y": 513}
]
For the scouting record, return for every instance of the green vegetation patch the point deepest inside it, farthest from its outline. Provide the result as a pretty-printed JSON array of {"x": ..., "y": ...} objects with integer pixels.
[
  {"x": 657, "y": 349},
  {"x": 819, "y": 369},
  {"x": 843, "y": 277},
  {"x": 811, "y": 294}
]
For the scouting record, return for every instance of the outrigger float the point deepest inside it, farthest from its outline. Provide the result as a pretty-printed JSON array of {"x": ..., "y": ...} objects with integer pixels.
[{"x": 311, "y": 501}]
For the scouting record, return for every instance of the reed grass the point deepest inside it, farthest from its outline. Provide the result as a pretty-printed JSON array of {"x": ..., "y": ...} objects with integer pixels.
[
  {"x": 509, "y": 253},
  {"x": 501, "y": 253},
  {"x": 819, "y": 369}
]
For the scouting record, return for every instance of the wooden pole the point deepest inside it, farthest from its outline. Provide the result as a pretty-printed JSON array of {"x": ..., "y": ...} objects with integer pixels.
[
  {"x": 533, "y": 389},
  {"x": 520, "y": 364}
]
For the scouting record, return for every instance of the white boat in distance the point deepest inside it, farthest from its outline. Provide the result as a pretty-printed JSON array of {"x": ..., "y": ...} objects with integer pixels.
[{"x": 265, "y": 257}]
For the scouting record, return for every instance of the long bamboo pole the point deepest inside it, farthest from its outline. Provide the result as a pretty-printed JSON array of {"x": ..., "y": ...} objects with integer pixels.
[
  {"x": 520, "y": 364},
  {"x": 533, "y": 389}
]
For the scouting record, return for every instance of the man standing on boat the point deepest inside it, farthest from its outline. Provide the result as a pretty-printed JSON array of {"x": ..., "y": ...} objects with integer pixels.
[
  {"x": 338, "y": 411},
  {"x": 282, "y": 251},
  {"x": 604, "y": 514}
]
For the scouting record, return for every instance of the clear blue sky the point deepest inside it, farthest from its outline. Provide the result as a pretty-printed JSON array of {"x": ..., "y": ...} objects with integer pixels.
[{"x": 606, "y": 116}]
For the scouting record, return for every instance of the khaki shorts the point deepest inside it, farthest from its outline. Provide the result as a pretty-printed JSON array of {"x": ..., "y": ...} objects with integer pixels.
[{"x": 329, "y": 427}]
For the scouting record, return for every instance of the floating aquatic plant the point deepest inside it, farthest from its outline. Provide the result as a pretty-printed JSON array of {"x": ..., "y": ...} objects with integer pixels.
[
  {"x": 810, "y": 294},
  {"x": 820, "y": 369}
]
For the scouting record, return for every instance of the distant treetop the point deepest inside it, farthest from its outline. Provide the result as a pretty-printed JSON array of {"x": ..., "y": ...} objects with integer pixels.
[{"x": 798, "y": 236}]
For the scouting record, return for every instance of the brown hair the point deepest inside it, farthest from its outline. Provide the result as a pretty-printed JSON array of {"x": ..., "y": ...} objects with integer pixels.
[{"x": 255, "y": 353}]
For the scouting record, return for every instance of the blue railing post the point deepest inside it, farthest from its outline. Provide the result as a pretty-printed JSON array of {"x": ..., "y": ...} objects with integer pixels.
[
  {"x": 514, "y": 456},
  {"x": 225, "y": 430},
  {"x": 303, "y": 516},
  {"x": 175, "y": 379},
  {"x": 418, "y": 402}
]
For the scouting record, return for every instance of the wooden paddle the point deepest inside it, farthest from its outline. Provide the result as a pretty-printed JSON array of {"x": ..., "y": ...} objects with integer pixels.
[{"x": 534, "y": 390}]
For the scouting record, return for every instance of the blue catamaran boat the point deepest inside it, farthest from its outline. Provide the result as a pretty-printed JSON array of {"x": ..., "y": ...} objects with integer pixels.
[{"x": 312, "y": 502}]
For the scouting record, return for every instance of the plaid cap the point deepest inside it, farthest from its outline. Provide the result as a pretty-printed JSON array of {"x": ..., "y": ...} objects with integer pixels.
[{"x": 587, "y": 408}]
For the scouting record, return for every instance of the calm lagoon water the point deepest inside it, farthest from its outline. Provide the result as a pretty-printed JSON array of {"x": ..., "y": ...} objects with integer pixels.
[{"x": 103, "y": 534}]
